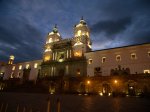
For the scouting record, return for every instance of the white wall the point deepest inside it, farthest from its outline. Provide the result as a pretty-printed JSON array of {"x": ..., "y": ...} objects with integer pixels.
[{"x": 138, "y": 65}]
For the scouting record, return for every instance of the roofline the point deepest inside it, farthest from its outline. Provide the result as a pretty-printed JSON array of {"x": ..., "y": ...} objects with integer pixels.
[
  {"x": 119, "y": 47},
  {"x": 28, "y": 61}
]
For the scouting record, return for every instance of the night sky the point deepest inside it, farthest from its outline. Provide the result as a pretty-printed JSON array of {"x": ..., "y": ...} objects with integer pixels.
[{"x": 24, "y": 24}]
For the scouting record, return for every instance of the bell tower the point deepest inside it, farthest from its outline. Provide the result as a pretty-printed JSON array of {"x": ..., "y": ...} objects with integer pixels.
[
  {"x": 52, "y": 37},
  {"x": 11, "y": 59},
  {"x": 81, "y": 40}
]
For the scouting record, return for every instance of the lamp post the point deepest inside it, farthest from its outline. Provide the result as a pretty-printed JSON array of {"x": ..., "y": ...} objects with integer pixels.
[
  {"x": 115, "y": 81},
  {"x": 116, "y": 86},
  {"x": 88, "y": 83}
]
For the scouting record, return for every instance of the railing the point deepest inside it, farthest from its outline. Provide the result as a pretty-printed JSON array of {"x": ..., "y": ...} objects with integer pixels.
[{"x": 4, "y": 107}]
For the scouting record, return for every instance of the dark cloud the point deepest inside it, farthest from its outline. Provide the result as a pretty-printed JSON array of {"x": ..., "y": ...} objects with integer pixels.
[
  {"x": 111, "y": 27},
  {"x": 20, "y": 39}
]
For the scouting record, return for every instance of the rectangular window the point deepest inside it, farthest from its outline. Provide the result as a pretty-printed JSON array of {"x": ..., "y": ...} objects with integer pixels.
[
  {"x": 27, "y": 66},
  {"x": 148, "y": 53},
  {"x": 133, "y": 56},
  {"x": 13, "y": 68},
  {"x": 35, "y": 65},
  {"x": 20, "y": 67},
  {"x": 103, "y": 59},
  {"x": 90, "y": 61},
  {"x": 118, "y": 58},
  {"x": 78, "y": 71},
  {"x": 146, "y": 71}
]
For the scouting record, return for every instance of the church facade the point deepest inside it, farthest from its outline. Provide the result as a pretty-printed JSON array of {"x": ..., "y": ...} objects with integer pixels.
[{"x": 74, "y": 57}]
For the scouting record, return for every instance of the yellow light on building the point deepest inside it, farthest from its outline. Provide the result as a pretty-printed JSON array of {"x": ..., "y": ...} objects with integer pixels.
[
  {"x": 79, "y": 32},
  {"x": 101, "y": 94},
  {"x": 47, "y": 58},
  {"x": 13, "y": 68},
  {"x": 115, "y": 81},
  {"x": 20, "y": 67},
  {"x": 146, "y": 71},
  {"x": 27, "y": 66},
  {"x": 77, "y": 54},
  {"x": 87, "y": 33},
  {"x": 90, "y": 61},
  {"x": 88, "y": 82},
  {"x": 12, "y": 57},
  {"x": 35, "y": 65}
]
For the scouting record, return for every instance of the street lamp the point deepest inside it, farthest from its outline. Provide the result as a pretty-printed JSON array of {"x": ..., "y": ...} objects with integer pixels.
[
  {"x": 115, "y": 81},
  {"x": 116, "y": 85},
  {"x": 88, "y": 83}
]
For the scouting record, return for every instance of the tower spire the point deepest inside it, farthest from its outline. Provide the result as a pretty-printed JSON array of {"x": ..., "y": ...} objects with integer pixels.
[
  {"x": 55, "y": 30},
  {"x": 55, "y": 26}
]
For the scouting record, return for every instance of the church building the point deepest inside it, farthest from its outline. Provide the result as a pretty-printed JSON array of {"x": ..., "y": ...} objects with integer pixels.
[{"x": 74, "y": 57}]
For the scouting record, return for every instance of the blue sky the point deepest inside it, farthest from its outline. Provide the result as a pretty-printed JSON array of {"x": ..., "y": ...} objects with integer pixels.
[{"x": 24, "y": 24}]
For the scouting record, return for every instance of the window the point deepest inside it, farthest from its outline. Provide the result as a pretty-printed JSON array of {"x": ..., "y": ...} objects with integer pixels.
[
  {"x": 13, "y": 68},
  {"x": 90, "y": 61},
  {"x": 50, "y": 40},
  {"x": 35, "y": 65},
  {"x": 79, "y": 33},
  {"x": 103, "y": 59},
  {"x": 27, "y": 66},
  {"x": 78, "y": 54},
  {"x": 118, "y": 58},
  {"x": 47, "y": 58},
  {"x": 20, "y": 67},
  {"x": 78, "y": 71},
  {"x": 148, "y": 53},
  {"x": 133, "y": 56},
  {"x": 19, "y": 74},
  {"x": 12, "y": 75},
  {"x": 146, "y": 71}
]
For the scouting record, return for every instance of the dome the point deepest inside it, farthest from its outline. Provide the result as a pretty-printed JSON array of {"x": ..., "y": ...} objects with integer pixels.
[
  {"x": 53, "y": 36},
  {"x": 81, "y": 23},
  {"x": 54, "y": 31}
]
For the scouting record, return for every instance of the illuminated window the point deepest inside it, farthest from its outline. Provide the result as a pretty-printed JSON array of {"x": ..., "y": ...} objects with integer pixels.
[
  {"x": 50, "y": 40},
  {"x": 13, "y": 68},
  {"x": 149, "y": 54},
  {"x": 78, "y": 71},
  {"x": 133, "y": 56},
  {"x": 27, "y": 66},
  {"x": 35, "y": 65},
  {"x": 118, "y": 58},
  {"x": 12, "y": 75},
  {"x": 47, "y": 58},
  {"x": 146, "y": 71},
  {"x": 78, "y": 54},
  {"x": 90, "y": 61},
  {"x": 79, "y": 33},
  {"x": 20, "y": 67},
  {"x": 103, "y": 59}
]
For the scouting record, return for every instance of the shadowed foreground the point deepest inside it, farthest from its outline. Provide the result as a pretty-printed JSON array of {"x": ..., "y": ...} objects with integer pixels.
[{"x": 74, "y": 103}]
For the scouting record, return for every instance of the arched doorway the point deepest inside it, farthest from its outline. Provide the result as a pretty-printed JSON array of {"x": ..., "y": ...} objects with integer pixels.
[
  {"x": 131, "y": 87},
  {"x": 61, "y": 72},
  {"x": 106, "y": 89}
]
